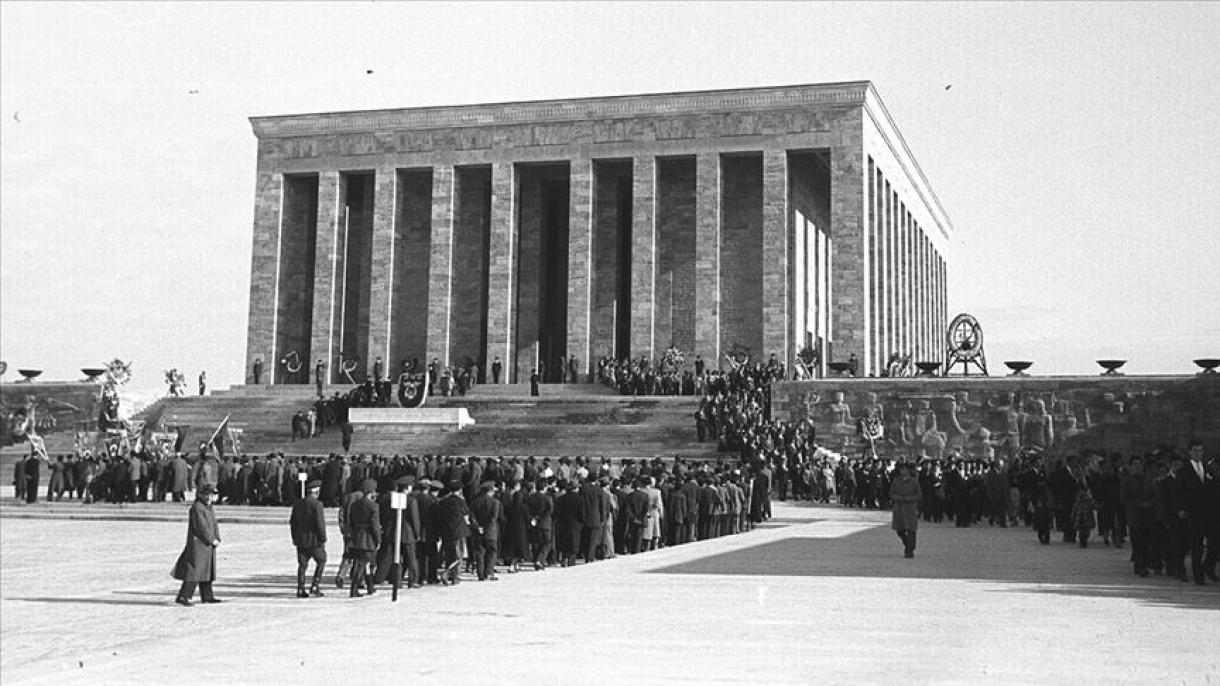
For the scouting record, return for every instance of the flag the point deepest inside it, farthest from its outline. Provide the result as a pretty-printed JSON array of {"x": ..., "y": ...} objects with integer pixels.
[{"x": 224, "y": 424}]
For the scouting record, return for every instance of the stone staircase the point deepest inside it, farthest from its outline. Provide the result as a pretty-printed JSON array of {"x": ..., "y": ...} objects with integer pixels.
[{"x": 571, "y": 419}]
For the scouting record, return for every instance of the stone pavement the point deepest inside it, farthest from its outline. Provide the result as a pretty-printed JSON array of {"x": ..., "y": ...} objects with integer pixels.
[{"x": 821, "y": 594}]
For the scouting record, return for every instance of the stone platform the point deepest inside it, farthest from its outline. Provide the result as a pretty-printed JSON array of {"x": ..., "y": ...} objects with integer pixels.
[
  {"x": 821, "y": 594},
  {"x": 456, "y": 418},
  {"x": 565, "y": 419}
]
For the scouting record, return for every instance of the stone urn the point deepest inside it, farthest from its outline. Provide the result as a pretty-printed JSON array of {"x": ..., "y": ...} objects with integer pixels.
[
  {"x": 1018, "y": 367},
  {"x": 1208, "y": 365},
  {"x": 928, "y": 368},
  {"x": 28, "y": 375},
  {"x": 92, "y": 373},
  {"x": 1111, "y": 367}
]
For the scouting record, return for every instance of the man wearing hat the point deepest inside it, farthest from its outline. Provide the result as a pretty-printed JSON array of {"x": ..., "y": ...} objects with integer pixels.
[
  {"x": 488, "y": 514},
  {"x": 410, "y": 527},
  {"x": 364, "y": 527},
  {"x": 308, "y": 525},
  {"x": 197, "y": 563},
  {"x": 426, "y": 536},
  {"x": 452, "y": 526}
]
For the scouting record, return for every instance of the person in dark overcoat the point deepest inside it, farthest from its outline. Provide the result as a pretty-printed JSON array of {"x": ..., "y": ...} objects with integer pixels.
[
  {"x": 179, "y": 479},
  {"x": 568, "y": 524},
  {"x": 540, "y": 510},
  {"x": 452, "y": 517},
  {"x": 516, "y": 527},
  {"x": 905, "y": 495},
  {"x": 594, "y": 514},
  {"x": 488, "y": 513},
  {"x": 197, "y": 563},
  {"x": 364, "y": 530},
  {"x": 308, "y": 525},
  {"x": 427, "y": 537},
  {"x": 676, "y": 508}
]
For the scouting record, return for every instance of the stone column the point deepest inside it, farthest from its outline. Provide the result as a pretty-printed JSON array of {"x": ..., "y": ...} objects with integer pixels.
[
  {"x": 440, "y": 264},
  {"x": 849, "y": 248},
  {"x": 501, "y": 281},
  {"x": 707, "y": 258},
  {"x": 580, "y": 261},
  {"x": 264, "y": 277},
  {"x": 381, "y": 305},
  {"x": 775, "y": 255},
  {"x": 326, "y": 289},
  {"x": 643, "y": 257}
]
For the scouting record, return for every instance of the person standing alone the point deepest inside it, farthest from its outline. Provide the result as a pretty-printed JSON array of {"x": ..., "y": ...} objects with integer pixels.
[
  {"x": 905, "y": 494},
  {"x": 197, "y": 563}
]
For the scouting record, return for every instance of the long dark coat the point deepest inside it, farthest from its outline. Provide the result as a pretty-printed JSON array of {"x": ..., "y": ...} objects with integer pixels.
[
  {"x": 517, "y": 526},
  {"x": 905, "y": 495},
  {"x": 308, "y": 524},
  {"x": 364, "y": 525},
  {"x": 180, "y": 479},
  {"x": 567, "y": 522},
  {"x": 198, "y": 559}
]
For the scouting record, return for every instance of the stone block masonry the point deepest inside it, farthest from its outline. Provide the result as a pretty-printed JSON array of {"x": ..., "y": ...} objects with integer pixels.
[{"x": 772, "y": 218}]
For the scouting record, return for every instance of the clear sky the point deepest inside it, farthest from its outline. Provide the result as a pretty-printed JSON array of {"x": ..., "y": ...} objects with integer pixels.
[{"x": 1075, "y": 147}]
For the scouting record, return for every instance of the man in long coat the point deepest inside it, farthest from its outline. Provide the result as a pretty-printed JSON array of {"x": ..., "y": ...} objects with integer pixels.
[
  {"x": 594, "y": 514},
  {"x": 905, "y": 494},
  {"x": 364, "y": 530},
  {"x": 197, "y": 563},
  {"x": 488, "y": 515},
  {"x": 453, "y": 526},
  {"x": 568, "y": 508},
  {"x": 540, "y": 508},
  {"x": 308, "y": 525}
]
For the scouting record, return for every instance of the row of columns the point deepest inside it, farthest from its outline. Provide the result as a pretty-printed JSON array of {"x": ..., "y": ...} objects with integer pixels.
[
  {"x": 908, "y": 287},
  {"x": 503, "y": 263}
]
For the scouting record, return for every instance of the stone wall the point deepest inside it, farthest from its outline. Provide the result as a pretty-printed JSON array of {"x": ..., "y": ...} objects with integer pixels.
[
  {"x": 675, "y": 287},
  {"x": 611, "y": 219},
  {"x": 357, "y": 272},
  {"x": 298, "y": 238},
  {"x": 998, "y": 416},
  {"x": 741, "y": 254},
  {"x": 468, "y": 320},
  {"x": 412, "y": 239}
]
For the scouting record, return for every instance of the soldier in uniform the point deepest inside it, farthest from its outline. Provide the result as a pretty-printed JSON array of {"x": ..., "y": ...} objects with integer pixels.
[
  {"x": 345, "y": 564},
  {"x": 308, "y": 525},
  {"x": 364, "y": 529}
]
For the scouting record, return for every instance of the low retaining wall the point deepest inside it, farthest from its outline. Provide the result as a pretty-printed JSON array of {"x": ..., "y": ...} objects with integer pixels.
[{"x": 985, "y": 417}]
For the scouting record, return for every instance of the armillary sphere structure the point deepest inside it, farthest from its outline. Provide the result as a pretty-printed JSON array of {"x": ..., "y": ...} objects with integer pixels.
[{"x": 964, "y": 345}]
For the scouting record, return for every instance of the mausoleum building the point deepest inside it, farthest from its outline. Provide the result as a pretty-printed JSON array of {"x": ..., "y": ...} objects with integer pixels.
[{"x": 770, "y": 218}]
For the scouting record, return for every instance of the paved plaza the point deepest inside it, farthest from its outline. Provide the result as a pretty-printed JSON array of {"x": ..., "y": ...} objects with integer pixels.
[{"x": 821, "y": 594}]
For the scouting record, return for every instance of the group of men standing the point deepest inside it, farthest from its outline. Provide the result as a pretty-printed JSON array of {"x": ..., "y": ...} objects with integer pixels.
[{"x": 445, "y": 529}]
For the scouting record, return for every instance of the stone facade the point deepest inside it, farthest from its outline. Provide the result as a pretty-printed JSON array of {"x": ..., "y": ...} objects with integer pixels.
[{"x": 770, "y": 218}]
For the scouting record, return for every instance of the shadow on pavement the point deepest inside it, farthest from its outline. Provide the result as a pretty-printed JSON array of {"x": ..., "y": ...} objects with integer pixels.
[
  {"x": 966, "y": 555},
  {"x": 163, "y": 600}
]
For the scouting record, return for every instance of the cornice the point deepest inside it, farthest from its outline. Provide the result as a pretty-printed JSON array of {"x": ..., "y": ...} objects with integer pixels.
[{"x": 551, "y": 111}]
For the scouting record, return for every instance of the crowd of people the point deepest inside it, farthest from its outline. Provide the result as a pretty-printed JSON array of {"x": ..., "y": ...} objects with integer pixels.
[{"x": 474, "y": 515}]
